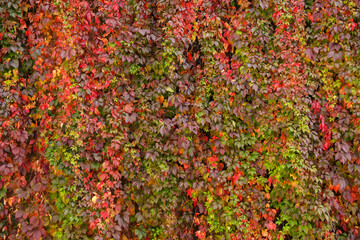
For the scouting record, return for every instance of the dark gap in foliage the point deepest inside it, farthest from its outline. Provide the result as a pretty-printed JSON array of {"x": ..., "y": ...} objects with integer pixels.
[
  {"x": 288, "y": 237},
  {"x": 205, "y": 133},
  {"x": 195, "y": 50},
  {"x": 195, "y": 213},
  {"x": 235, "y": 4},
  {"x": 267, "y": 174},
  {"x": 229, "y": 54},
  {"x": 170, "y": 113},
  {"x": 211, "y": 95},
  {"x": 249, "y": 99}
]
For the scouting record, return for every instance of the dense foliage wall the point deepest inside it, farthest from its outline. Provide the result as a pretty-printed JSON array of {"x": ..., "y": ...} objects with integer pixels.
[{"x": 179, "y": 119}]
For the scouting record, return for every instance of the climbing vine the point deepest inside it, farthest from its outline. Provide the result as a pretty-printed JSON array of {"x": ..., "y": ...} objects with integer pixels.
[{"x": 179, "y": 119}]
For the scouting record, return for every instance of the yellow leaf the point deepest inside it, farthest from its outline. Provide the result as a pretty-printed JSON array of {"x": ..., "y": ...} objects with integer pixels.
[
  {"x": 165, "y": 103},
  {"x": 293, "y": 176},
  {"x": 193, "y": 37},
  {"x": 294, "y": 183}
]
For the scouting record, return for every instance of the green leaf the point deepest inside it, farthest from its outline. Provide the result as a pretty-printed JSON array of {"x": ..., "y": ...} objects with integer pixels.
[
  {"x": 169, "y": 89},
  {"x": 140, "y": 233},
  {"x": 3, "y": 192}
]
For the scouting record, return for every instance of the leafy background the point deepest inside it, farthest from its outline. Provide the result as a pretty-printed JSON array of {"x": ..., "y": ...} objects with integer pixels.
[{"x": 179, "y": 119}]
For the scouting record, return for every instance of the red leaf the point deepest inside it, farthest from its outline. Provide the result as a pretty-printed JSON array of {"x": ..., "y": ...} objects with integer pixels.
[
  {"x": 92, "y": 225},
  {"x": 37, "y": 234},
  {"x": 128, "y": 108},
  {"x": 103, "y": 176},
  {"x": 88, "y": 17},
  {"x": 200, "y": 234},
  {"x": 15, "y": 149},
  {"x": 189, "y": 192},
  {"x": 189, "y": 57},
  {"x": 19, "y": 214},
  {"x": 270, "y": 225},
  {"x": 104, "y": 214},
  {"x": 213, "y": 160},
  {"x": 195, "y": 201}
]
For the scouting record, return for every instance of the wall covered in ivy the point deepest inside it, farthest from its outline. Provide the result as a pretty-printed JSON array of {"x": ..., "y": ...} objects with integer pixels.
[{"x": 179, "y": 119}]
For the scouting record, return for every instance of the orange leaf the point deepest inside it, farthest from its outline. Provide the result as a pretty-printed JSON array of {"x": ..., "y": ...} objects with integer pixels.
[
  {"x": 160, "y": 99},
  {"x": 342, "y": 91},
  {"x": 267, "y": 195}
]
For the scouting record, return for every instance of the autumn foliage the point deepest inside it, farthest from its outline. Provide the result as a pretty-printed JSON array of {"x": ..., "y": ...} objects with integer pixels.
[{"x": 179, "y": 119}]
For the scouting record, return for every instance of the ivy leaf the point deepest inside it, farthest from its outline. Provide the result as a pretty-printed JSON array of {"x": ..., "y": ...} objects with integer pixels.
[
  {"x": 37, "y": 235},
  {"x": 15, "y": 63},
  {"x": 139, "y": 217},
  {"x": 140, "y": 233},
  {"x": 128, "y": 108},
  {"x": 169, "y": 89},
  {"x": 103, "y": 176}
]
